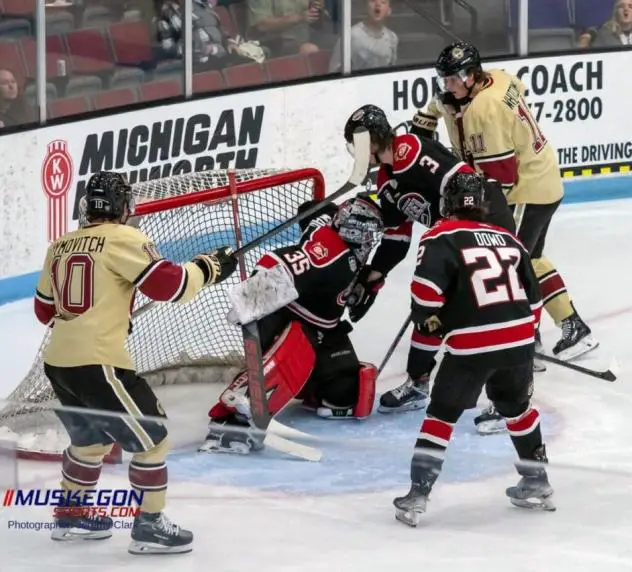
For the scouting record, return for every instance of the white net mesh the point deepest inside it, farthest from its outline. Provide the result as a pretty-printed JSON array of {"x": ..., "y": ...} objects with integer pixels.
[{"x": 173, "y": 343}]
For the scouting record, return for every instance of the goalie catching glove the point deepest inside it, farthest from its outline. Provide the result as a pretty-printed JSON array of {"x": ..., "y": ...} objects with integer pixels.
[
  {"x": 364, "y": 293},
  {"x": 217, "y": 265}
]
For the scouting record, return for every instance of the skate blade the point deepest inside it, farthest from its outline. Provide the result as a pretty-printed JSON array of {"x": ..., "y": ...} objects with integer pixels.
[
  {"x": 74, "y": 534},
  {"x": 408, "y": 517},
  {"x": 539, "y": 367},
  {"x": 545, "y": 504},
  {"x": 491, "y": 427},
  {"x": 328, "y": 417},
  {"x": 212, "y": 447},
  {"x": 581, "y": 348},
  {"x": 145, "y": 548},
  {"x": 404, "y": 408}
]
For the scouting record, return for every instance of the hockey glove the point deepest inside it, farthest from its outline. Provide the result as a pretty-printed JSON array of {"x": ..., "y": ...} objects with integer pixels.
[
  {"x": 448, "y": 100},
  {"x": 364, "y": 294},
  {"x": 217, "y": 265},
  {"x": 427, "y": 325}
]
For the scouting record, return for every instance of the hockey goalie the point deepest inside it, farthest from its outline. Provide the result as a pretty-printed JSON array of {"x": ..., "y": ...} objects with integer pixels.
[{"x": 307, "y": 353}]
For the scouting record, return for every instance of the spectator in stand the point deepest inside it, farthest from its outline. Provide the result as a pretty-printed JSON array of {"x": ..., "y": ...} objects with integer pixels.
[
  {"x": 287, "y": 27},
  {"x": 14, "y": 108},
  {"x": 373, "y": 45},
  {"x": 212, "y": 49},
  {"x": 615, "y": 33}
]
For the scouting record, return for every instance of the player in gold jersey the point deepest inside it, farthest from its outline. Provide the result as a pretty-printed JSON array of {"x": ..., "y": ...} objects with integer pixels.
[
  {"x": 85, "y": 293},
  {"x": 492, "y": 128}
]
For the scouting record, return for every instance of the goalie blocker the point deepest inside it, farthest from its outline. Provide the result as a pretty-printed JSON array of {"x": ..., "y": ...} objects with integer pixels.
[{"x": 307, "y": 351}]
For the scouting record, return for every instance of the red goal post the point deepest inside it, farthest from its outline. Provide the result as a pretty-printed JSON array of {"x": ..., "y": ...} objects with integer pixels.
[{"x": 178, "y": 343}]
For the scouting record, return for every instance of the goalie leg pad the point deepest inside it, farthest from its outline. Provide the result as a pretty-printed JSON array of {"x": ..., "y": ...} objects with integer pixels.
[
  {"x": 366, "y": 390},
  {"x": 222, "y": 408},
  {"x": 287, "y": 365}
]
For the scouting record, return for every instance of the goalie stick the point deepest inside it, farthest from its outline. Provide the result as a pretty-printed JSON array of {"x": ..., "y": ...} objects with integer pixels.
[
  {"x": 257, "y": 407},
  {"x": 607, "y": 375},
  {"x": 362, "y": 157}
]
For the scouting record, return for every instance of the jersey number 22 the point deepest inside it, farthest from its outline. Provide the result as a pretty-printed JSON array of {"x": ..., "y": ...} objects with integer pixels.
[{"x": 500, "y": 266}]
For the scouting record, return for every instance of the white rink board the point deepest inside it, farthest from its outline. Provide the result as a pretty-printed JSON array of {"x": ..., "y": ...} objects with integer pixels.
[{"x": 297, "y": 126}]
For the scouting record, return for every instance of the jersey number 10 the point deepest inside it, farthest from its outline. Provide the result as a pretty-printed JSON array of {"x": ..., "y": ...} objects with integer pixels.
[
  {"x": 500, "y": 266},
  {"x": 75, "y": 287}
]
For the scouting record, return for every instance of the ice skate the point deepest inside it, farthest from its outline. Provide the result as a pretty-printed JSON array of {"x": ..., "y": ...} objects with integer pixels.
[
  {"x": 87, "y": 526},
  {"x": 409, "y": 396},
  {"x": 576, "y": 339},
  {"x": 490, "y": 421},
  {"x": 409, "y": 508},
  {"x": 230, "y": 436},
  {"x": 533, "y": 491},
  {"x": 538, "y": 365},
  {"x": 154, "y": 533}
]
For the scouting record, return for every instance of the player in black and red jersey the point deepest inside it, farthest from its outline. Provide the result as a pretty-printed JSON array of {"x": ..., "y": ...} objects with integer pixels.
[
  {"x": 474, "y": 286},
  {"x": 414, "y": 173},
  {"x": 307, "y": 350}
]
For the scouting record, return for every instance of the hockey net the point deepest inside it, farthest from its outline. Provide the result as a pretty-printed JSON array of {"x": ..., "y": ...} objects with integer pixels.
[{"x": 178, "y": 343}]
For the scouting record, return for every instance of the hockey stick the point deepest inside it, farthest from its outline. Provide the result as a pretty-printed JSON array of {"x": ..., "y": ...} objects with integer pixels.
[
  {"x": 394, "y": 344},
  {"x": 258, "y": 402},
  {"x": 608, "y": 375},
  {"x": 362, "y": 157},
  {"x": 250, "y": 332}
]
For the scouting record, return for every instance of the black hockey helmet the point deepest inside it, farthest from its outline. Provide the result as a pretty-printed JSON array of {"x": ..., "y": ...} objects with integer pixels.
[
  {"x": 107, "y": 194},
  {"x": 359, "y": 223},
  {"x": 458, "y": 57},
  {"x": 463, "y": 192},
  {"x": 374, "y": 120}
]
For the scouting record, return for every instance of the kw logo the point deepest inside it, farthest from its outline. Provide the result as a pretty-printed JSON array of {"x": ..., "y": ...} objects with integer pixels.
[{"x": 56, "y": 180}]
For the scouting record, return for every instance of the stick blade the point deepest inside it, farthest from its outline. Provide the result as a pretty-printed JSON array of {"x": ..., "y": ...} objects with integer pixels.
[
  {"x": 292, "y": 448},
  {"x": 279, "y": 437},
  {"x": 361, "y": 156},
  {"x": 613, "y": 372}
]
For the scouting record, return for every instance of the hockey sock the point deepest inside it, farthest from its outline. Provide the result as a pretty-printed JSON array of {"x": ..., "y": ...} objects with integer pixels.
[
  {"x": 525, "y": 433},
  {"x": 148, "y": 474},
  {"x": 81, "y": 466},
  {"x": 555, "y": 297},
  {"x": 430, "y": 448},
  {"x": 423, "y": 348}
]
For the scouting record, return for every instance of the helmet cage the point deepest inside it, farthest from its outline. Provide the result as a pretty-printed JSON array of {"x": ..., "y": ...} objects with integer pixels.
[{"x": 359, "y": 224}]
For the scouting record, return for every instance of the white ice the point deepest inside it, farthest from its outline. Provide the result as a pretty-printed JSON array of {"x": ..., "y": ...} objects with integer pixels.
[{"x": 240, "y": 526}]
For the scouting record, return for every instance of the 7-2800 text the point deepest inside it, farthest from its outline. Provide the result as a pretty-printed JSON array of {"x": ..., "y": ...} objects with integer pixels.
[{"x": 568, "y": 110}]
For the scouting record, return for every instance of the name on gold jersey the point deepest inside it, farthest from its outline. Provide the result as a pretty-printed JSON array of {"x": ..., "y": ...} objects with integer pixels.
[{"x": 91, "y": 244}]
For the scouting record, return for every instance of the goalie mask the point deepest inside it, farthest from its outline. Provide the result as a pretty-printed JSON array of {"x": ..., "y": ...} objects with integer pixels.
[
  {"x": 107, "y": 195},
  {"x": 359, "y": 223},
  {"x": 464, "y": 192}
]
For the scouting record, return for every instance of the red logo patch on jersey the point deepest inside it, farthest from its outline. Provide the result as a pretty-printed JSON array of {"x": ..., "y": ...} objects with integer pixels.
[
  {"x": 317, "y": 250},
  {"x": 402, "y": 151},
  {"x": 56, "y": 180}
]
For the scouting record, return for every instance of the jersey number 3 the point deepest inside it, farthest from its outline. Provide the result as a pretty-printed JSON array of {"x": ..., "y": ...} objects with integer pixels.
[
  {"x": 74, "y": 285},
  {"x": 500, "y": 266}
]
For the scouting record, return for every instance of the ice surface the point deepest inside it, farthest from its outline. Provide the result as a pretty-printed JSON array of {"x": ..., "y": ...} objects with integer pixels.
[{"x": 273, "y": 514}]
